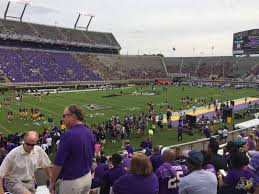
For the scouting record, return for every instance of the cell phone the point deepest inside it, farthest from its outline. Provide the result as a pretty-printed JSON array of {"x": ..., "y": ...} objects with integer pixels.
[{"x": 223, "y": 172}]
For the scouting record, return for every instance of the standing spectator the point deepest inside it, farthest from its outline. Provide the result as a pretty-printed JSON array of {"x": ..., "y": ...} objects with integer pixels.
[
  {"x": 49, "y": 144},
  {"x": 141, "y": 179},
  {"x": 193, "y": 109},
  {"x": 180, "y": 132},
  {"x": 123, "y": 136},
  {"x": 44, "y": 146},
  {"x": 199, "y": 181},
  {"x": 73, "y": 161},
  {"x": 207, "y": 132},
  {"x": 20, "y": 164},
  {"x": 97, "y": 148},
  {"x": 224, "y": 134},
  {"x": 3, "y": 152}
]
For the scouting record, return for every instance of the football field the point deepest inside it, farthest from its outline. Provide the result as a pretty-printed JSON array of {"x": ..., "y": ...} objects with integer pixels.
[{"x": 100, "y": 106}]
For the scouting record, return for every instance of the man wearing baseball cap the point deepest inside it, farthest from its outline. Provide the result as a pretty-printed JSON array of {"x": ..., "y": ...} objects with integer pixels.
[{"x": 199, "y": 181}]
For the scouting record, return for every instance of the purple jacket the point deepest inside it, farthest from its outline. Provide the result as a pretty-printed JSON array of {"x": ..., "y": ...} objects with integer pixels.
[{"x": 133, "y": 184}]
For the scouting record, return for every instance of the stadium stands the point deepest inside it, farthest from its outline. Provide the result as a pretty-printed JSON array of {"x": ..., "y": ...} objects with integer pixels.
[
  {"x": 34, "y": 66},
  {"x": 19, "y": 65},
  {"x": 52, "y": 36},
  {"x": 112, "y": 67},
  {"x": 225, "y": 66}
]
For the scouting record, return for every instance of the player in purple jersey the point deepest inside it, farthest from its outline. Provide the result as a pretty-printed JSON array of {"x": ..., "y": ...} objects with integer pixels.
[{"x": 169, "y": 173}]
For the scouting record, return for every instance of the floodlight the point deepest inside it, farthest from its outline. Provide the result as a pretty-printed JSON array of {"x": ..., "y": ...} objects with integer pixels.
[
  {"x": 83, "y": 13},
  {"x": 23, "y": 2}
]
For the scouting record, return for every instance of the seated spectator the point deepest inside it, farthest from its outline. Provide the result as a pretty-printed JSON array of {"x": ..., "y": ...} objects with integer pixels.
[
  {"x": 141, "y": 179},
  {"x": 126, "y": 160},
  {"x": 230, "y": 149},
  {"x": 206, "y": 165},
  {"x": 99, "y": 173},
  {"x": 254, "y": 167},
  {"x": 240, "y": 141},
  {"x": 254, "y": 152},
  {"x": 156, "y": 158},
  {"x": 239, "y": 177},
  {"x": 169, "y": 173},
  {"x": 113, "y": 174},
  {"x": 217, "y": 160},
  {"x": 250, "y": 142},
  {"x": 129, "y": 148},
  {"x": 147, "y": 143},
  {"x": 199, "y": 181},
  {"x": 19, "y": 166}
]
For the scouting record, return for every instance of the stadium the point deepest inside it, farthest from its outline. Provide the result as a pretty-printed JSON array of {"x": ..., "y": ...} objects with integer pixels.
[{"x": 132, "y": 104}]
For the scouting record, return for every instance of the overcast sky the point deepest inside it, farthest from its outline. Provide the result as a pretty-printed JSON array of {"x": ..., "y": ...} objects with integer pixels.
[{"x": 192, "y": 27}]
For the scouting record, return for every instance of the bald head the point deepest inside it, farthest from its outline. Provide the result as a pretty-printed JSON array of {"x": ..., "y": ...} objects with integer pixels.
[
  {"x": 30, "y": 140},
  {"x": 31, "y": 136},
  {"x": 169, "y": 155}
]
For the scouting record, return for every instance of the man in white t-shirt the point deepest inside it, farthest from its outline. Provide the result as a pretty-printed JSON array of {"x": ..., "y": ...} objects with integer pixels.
[{"x": 199, "y": 181}]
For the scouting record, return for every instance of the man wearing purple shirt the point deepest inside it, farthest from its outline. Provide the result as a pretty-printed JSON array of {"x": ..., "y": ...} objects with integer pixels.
[
  {"x": 129, "y": 148},
  {"x": 169, "y": 173},
  {"x": 147, "y": 143},
  {"x": 113, "y": 174},
  {"x": 126, "y": 160},
  {"x": 156, "y": 158},
  {"x": 73, "y": 161},
  {"x": 207, "y": 132},
  {"x": 99, "y": 173}
]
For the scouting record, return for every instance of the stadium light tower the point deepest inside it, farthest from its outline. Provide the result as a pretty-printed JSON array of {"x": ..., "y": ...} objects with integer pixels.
[
  {"x": 25, "y": 3},
  {"x": 80, "y": 13}
]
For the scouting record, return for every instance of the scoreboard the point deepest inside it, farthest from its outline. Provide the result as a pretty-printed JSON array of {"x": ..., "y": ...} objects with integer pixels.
[{"x": 246, "y": 42}]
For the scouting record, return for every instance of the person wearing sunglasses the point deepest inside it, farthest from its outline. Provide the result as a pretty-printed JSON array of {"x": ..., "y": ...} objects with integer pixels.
[
  {"x": 71, "y": 172},
  {"x": 20, "y": 164}
]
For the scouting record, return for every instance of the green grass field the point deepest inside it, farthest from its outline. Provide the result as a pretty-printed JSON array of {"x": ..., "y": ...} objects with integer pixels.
[{"x": 125, "y": 104}]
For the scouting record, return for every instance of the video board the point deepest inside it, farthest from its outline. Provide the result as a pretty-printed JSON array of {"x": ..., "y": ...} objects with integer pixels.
[{"x": 246, "y": 42}]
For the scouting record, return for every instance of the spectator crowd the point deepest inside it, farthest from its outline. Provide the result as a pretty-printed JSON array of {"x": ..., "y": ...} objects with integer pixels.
[{"x": 80, "y": 165}]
